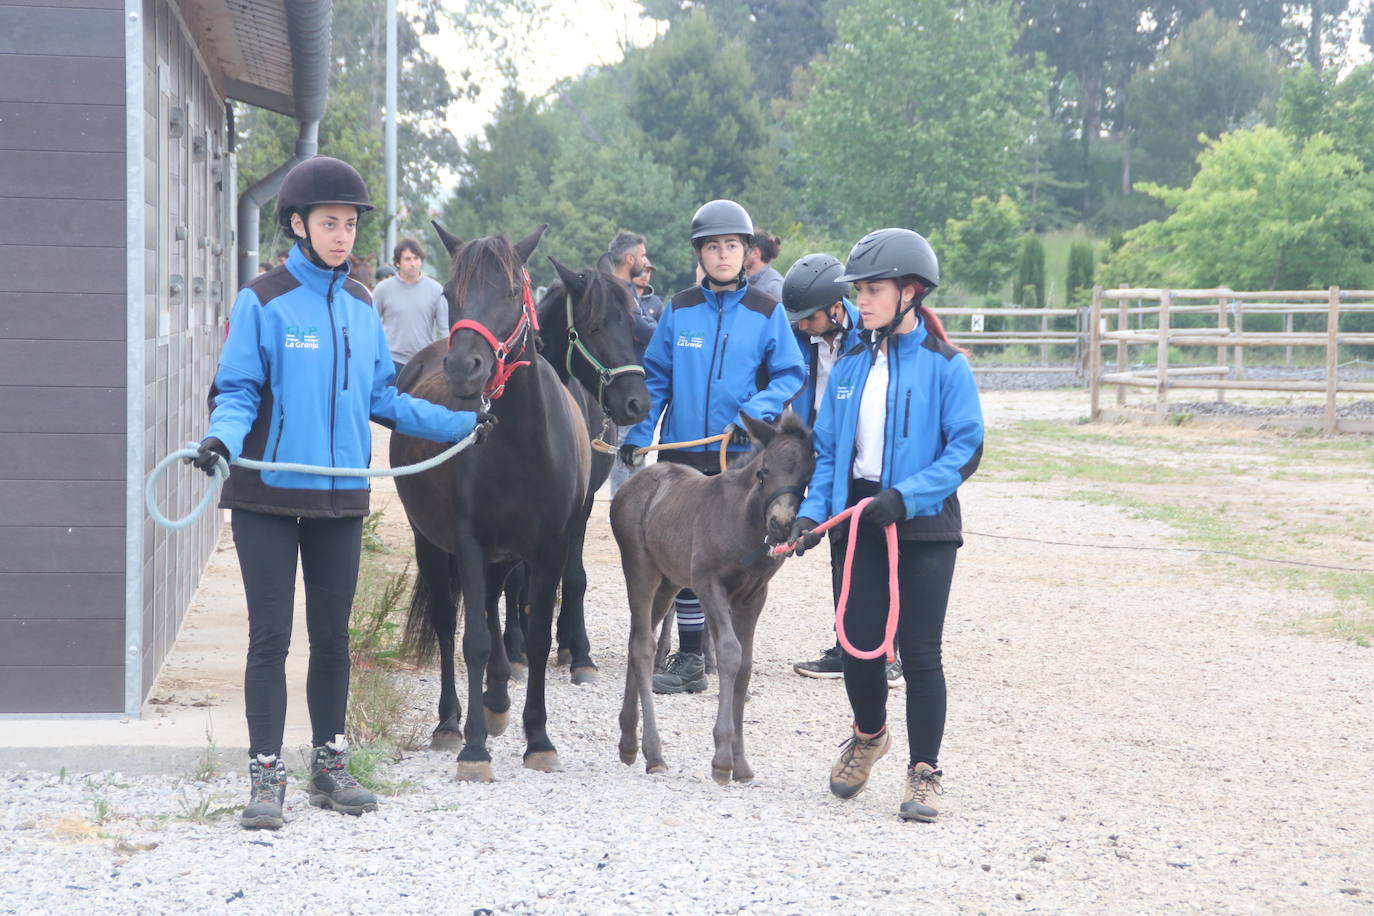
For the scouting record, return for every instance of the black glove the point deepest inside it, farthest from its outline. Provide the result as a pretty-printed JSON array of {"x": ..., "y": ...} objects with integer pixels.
[
  {"x": 485, "y": 421},
  {"x": 802, "y": 536},
  {"x": 211, "y": 451},
  {"x": 627, "y": 455},
  {"x": 887, "y": 507},
  {"x": 739, "y": 435}
]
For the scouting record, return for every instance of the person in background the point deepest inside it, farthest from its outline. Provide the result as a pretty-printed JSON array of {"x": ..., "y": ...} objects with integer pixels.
[
  {"x": 901, "y": 424},
  {"x": 649, "y": 302},
  {"x": 627, "y": 259},
  {"x": 721, "y": 349},
  {"x": 383, "y": 272},
  {"x": 758, "y": 261},
  {"x": 264, "y": 268},
  {"x": 411, "y": 305}
]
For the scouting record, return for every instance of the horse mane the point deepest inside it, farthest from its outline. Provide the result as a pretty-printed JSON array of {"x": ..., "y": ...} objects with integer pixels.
[
  {"x": 598, "y": 296},
  {"x": 475, "y": 258}
]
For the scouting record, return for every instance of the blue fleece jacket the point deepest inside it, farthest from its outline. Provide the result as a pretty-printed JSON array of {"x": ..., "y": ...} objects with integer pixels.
[
  {"x": 804, "y": 403},
  {"x": 933, "y": 435},
  {"x": 713, "y": 356}
]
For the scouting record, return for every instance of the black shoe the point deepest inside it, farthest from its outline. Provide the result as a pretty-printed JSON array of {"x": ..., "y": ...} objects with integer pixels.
[
  {"x": 895, "y": 678},
  {"x": 332, "y": 786},
  {"x": 268, "y": 778},
  {"x": 829, "y": 666},
  {"x": 686, "y": 673}
]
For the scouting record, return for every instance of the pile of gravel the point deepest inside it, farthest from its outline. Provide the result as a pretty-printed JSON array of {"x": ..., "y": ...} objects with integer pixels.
[{"x": 1010, "y": 379}]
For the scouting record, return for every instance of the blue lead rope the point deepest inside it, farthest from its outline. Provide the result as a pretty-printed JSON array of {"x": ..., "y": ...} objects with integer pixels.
[{"x": 222, "y": 474}]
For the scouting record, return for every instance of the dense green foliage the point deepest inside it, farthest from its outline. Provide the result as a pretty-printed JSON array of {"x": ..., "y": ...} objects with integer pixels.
[
  {"x": 1029, "y": 288},
  {"x": 979, "y": 253},
  {"x": 1082, "y": 269}
]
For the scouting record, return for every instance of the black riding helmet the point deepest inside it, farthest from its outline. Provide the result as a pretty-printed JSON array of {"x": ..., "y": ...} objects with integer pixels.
[
  {"x": 721, "y": 217},
  {"x": 888, "y": 254},
  {"x": 315, "y": 182},
  {"x": 812, "y": 284}
]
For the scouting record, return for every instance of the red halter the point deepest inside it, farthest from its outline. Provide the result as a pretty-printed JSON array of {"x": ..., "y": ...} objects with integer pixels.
[{"x": 504, "y": 350}]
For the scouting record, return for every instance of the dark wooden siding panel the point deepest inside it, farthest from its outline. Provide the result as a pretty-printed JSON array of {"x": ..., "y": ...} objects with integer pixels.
[
  {"x": 62, "y": 502},
  {"x": 62, "y": 316},
  {"x": 73, "y": 5},
  {"x": 79, "y": 176},
  {"x": 77, "y": 223},
  {"x": 82, "y": 363},
  {"x": 32, "y": 596},
  {"x": 65, "y": 549},
  {"x": 66, "y": 128},
  {"x": 26, "y": 409},
  {"x": 69, "y": 32},
  {"x": 47, "y": 269},
  {"x": 60, "y": 690},
  {"x": 32, "y": 456},
  {"x": 77, "y": 643},
  {"x": 62, "y": 79}
]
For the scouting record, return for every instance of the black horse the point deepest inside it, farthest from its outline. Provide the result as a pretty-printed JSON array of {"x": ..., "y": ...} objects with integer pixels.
[{"x": 587, "y": 335}]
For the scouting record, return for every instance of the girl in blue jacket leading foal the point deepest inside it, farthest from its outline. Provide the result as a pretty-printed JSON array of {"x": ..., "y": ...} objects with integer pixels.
[
  {"x": 305, "y": 366},
  {"x": 900, "y": 422}
]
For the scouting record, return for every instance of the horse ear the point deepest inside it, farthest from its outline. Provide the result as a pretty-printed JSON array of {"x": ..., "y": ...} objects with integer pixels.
[
  {"x": 525, "y": 247},
  {"x": 451, "y": 242},
  {"x": 574, "y": 283},
  {"x": 760, "y": 430}
]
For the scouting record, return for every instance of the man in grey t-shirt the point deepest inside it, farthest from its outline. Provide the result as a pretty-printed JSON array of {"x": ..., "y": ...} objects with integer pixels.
[{"x": 411, "y": 305}]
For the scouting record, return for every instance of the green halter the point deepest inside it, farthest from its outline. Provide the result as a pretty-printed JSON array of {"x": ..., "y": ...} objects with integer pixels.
[{"x": 604, "y": 375}]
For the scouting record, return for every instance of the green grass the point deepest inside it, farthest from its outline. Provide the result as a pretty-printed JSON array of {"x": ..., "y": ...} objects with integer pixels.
[{"x": 370, "y": 765}]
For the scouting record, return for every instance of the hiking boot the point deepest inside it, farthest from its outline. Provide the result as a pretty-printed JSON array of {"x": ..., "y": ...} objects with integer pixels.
[
  {"x": 332, "y": 786},
  {"x": 829, "y": 666},
  {"x": 894, "y": 674},
  {"x": 267, "y": 775},
  {"x": 919, "y": 796},
  {"x": 859, "y": 752},
  {"x": 685, "y": 673}
]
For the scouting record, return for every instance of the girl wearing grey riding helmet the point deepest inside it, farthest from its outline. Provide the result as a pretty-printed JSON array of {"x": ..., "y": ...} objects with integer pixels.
[
  {"x": 900, "y": 423},
  {"x": 305, "y": 366},
  {"x": 721, "y": 349}
]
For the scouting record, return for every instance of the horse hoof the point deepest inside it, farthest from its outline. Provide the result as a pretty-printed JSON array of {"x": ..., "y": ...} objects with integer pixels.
[
  {"x": 583, "y": 676},
  {"x": 446, "y": 741},
  {"x": 544, "y": 762},
  {"x": 655, "y": 769},
  {"x": 627, "y": 757},
  {"x": 721, "y": 775},
  {"x": 475, "y": 771},
  {"x": 743, "y": 777},
  {"x": 563, "y": 659},
  {"x": 519, "y": 671},
  {"x": 497, "y": 723}
]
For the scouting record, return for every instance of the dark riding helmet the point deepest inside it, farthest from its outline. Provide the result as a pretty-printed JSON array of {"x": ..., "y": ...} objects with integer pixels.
[
  {"x": 320, "y": 180},
  {"x": 889, "y": 254},
  {"x": 812, "y": 284},
  {"x": 721, "y": 217}
]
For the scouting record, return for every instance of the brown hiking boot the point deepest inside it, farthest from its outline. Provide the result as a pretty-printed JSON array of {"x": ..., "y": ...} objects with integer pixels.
[
  {"x": 921, "y": 793},
  {"x": 850, "y": 772}
]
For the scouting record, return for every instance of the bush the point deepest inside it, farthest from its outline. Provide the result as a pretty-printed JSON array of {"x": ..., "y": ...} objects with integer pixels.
[
  {"x": 1082, "y": 266},
  {"x": 1029, "y": 290}
]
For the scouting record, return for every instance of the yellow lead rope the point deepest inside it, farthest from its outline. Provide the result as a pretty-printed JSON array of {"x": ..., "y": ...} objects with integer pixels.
[{"x": 723, "y": 439}]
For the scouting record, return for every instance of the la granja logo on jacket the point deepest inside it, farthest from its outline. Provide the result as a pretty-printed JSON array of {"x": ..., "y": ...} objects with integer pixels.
[
  {"x": 302, "y": 338},
  {"x": 693, "y": 339},
  {"x": 844, "y": 389}
]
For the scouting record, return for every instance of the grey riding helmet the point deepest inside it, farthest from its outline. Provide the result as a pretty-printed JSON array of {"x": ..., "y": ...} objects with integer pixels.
[
  {"x": 318, "y": 181},
  {"x": 721, "y": 217},
  {"x": 889, "y": 254},
  {"x": 812, "y": 284}
]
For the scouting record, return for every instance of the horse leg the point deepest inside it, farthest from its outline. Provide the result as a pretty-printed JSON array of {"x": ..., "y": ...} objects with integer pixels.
[
  {"x": 540, "y": 753},
  {"x": 474, "y": 762},
  {"x": 572, "y": 621},
  {"x": 665, "y": 641},
  {"x": 434, "y": 565},
  {"x": 708, "y": 646},
  {"x": 744, "y": 624},
  {"x": 661, "y": 615},
  {"x": 641, "y": 586},
  {"x": 496, "y": 699},
  {"x": 517, "y": 609},
  {"x": 716, "y": 603}
]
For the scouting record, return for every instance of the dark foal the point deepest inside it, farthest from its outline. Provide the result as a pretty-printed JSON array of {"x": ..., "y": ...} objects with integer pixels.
[
  {"x": 677, "y": 527},
  {"x": 517, "y": 497}
]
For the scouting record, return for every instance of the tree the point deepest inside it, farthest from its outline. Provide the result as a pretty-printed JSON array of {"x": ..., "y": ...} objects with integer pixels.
[
  {"x": 979, "y": 253},
  {"x": 920, "y": 108},
  {"x": 1082, "y": 266},
  {"x": 1313, "y": 102},
  {"x": 1265, "y": 211},
  {"x": 1210, "y": 79},
  {"x": 690, "y": 94},
  {"x": 1029, "y": 289}
]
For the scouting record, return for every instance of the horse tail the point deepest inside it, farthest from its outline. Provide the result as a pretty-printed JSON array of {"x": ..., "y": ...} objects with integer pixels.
[{"x": 420, "y": 643}]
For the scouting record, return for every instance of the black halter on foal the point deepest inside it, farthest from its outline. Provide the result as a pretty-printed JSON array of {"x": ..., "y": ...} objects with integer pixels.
[
  {"x": 797, "y": 490},
  {"x": 504, "y": 350}
]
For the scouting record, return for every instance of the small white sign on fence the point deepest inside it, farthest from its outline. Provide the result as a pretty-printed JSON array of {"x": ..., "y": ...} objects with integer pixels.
[{"x": 976, "y": 324}]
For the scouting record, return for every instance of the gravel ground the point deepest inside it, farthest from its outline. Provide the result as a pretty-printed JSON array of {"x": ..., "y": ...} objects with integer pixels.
[{"x": 1129, "y": 733}]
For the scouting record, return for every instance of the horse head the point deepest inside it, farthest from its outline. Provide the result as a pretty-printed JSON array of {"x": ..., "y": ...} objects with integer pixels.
[
  {"x": 488, "y": 293},
  {"x": 598, "y": 313},
  {"x": 783, "y": 469}
]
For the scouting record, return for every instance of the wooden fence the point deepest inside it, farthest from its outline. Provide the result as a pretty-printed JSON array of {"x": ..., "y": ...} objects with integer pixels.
[
  {"x": 1157, "y": 318},
  {"x": 1041, "y": 334}
]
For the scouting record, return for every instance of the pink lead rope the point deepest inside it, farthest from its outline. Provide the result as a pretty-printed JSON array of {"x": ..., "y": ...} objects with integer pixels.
[{"x": 893, "y": 597}]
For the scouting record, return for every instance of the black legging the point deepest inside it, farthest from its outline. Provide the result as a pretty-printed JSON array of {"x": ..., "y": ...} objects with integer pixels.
[
  {"x": 267, "y": 548},
  {"x": 925, "y": 570}
]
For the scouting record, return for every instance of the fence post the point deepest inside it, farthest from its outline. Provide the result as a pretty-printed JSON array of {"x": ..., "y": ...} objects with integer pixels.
[
  {"x": 1239, "y": 306},
  {"x": 1044, "y": 347},
  {"x": 1288, "y": 329},
  {"x": 1162, "y": 359},
  {"x": 1123, "y": 323},
  {"x": 1223, "y": 324},
  {"x": 1095, "y": 355},
  {"x": 1333, "y": 326}
]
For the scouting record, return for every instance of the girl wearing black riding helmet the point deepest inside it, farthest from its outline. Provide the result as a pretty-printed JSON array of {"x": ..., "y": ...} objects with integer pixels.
[
  {"x": 305, "y": 365},
  {"x": 721, "y": 349},
  {"x": 901, "y": 423}
]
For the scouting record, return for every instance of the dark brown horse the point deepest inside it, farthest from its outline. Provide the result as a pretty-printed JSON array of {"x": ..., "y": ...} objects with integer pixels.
[{"x": 517, "y": 498}]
